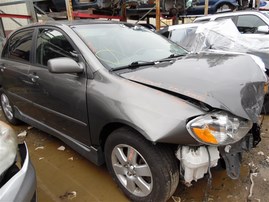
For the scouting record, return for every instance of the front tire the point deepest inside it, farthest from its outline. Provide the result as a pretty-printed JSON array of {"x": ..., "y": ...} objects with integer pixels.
[
  {"x": 8, "y": 109},
  {"x": 144, "y": 172}
]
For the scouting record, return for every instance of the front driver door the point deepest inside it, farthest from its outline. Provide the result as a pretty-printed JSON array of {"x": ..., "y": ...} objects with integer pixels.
[{"x": 59, "y": 99}]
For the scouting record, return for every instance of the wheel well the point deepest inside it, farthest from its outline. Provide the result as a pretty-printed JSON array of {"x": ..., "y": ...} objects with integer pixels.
[
  {"x": 109, "y": 128},
  {"x": 225, "y": 3}
]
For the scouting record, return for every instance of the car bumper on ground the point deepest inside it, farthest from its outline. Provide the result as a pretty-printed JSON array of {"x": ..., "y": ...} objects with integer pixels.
[{"x": 22, "y": 186}]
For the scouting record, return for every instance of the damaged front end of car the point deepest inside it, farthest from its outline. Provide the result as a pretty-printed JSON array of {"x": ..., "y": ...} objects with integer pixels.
[
  {"x": 223, "y": 98},
  {"x": 222, "y": 136}
]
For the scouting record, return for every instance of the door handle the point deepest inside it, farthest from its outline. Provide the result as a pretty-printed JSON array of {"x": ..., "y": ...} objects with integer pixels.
[{"x": 33, "y": 77}]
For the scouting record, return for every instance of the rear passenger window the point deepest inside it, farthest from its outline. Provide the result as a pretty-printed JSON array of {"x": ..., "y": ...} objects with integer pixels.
[
  {"x": 19, "y": 46},
  {"x": 53, "y": 44}
]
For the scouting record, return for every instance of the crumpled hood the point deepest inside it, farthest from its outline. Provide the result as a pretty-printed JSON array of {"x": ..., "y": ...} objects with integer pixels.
[{"x": 234, "y": 83}]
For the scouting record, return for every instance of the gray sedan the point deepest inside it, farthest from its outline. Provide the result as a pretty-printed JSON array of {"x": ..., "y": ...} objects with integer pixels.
[{"x": 122, "y": 95}]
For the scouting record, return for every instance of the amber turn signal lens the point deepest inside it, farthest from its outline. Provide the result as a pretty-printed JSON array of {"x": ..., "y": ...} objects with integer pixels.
[{"x": 205, "y": 135}]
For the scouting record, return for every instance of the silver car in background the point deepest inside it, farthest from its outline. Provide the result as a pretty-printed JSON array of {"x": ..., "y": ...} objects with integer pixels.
[{"x": 17, "y": 174}]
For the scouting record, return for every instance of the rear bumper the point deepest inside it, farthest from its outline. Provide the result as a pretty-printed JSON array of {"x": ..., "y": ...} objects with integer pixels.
[{"x": 22, "y": 186}]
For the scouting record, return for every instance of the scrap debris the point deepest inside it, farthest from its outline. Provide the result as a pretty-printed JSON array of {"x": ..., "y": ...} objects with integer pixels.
[
  {"x": 22, "y": 134},
  {"x": 176, "y": 199},
  {"x": 68, "y": 195},
  {"x": 41, "y": 147},
  {"x": 71, "y": 158},
  {"x": 61, "y": 148},
  {"x": 261, "y": 153},
  {"x": 41, "y": 158},
  {"x": 252, "y": 184}
]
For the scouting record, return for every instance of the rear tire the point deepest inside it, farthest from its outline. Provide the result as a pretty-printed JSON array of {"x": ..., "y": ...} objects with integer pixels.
[
  {"x": 144, "y": 172},
  {"x": 8, "y": 109}
]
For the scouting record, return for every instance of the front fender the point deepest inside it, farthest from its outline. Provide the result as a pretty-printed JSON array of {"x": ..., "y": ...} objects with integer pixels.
[{"x": 158, "y": 116}]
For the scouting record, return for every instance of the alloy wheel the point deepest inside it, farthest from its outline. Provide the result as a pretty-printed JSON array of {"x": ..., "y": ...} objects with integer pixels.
[
  {"x": 7, "y": 107},
  {"x": 132, "y": 170}
]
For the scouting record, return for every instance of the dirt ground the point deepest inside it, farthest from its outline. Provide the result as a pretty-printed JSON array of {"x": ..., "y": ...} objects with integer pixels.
[{"x": 63, "y": 175}]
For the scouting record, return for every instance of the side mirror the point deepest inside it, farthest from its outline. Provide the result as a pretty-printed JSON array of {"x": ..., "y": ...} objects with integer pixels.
[
  {"x": 263, "y": 29},
  {"x": 64, "y": 65}
]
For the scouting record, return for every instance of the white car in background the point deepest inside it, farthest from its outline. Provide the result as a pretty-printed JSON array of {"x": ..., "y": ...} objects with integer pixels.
[
  {"x": 247, "y": 22},
  {"x": 221, "y": 36}
]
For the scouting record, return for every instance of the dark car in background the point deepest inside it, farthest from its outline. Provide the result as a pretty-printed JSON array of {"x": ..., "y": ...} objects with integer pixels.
[
  {"x": 122, "y": 95},
  {"x": 197, "y": 7},
  {"x": 17, "y": 174},
  {"x": 141, "y": 7}
]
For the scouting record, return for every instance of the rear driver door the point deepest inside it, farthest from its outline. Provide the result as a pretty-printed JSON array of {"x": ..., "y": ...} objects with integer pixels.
[{"x": 15, "y": 65}]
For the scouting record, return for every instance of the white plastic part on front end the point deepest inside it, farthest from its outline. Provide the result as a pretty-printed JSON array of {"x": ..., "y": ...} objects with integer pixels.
[{"x": 195, "y": 161}]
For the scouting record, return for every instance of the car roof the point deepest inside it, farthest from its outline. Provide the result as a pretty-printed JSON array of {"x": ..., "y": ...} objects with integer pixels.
[
  {"x": 228, "y": 14},
  {"x": 180, "y": 26},
  {"x": 61, "y": 23},
  {"x": 188, "y": 25},
  {"x": 71, "y": 23}
]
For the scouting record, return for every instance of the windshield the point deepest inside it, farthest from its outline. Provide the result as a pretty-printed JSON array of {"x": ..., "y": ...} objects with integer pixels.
[{"x": 118, "y": 45}]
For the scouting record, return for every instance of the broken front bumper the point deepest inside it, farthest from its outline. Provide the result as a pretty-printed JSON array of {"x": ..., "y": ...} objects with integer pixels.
[
  {"x": 196, "y": 161},
  {"x": 22, "y": 185}
]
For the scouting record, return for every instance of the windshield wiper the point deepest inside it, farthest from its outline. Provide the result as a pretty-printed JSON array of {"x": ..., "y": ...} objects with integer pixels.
[
  {"x": 175, "y": 56},
  {"x": 135, "y": 65},
  {"x": 172, "y": 56}
]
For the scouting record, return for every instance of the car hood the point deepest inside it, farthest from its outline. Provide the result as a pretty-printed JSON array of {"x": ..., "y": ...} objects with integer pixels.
[{"x": 234, "y": 83}]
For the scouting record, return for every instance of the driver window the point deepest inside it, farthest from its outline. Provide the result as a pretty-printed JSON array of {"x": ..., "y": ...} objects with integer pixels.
[{"x": 53, "y": 44}]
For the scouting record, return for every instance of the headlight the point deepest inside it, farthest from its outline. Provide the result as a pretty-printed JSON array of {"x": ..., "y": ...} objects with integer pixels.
[
  {"x": 218, "y": 128},
  {"x": 8, "y": 146}
]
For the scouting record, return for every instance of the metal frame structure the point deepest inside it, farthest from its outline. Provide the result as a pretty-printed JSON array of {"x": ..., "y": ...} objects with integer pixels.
[
  {"x": 2, "y": 32},
  {"x": 31, "y": 12},
  {"x": 29, "y": 5}
]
